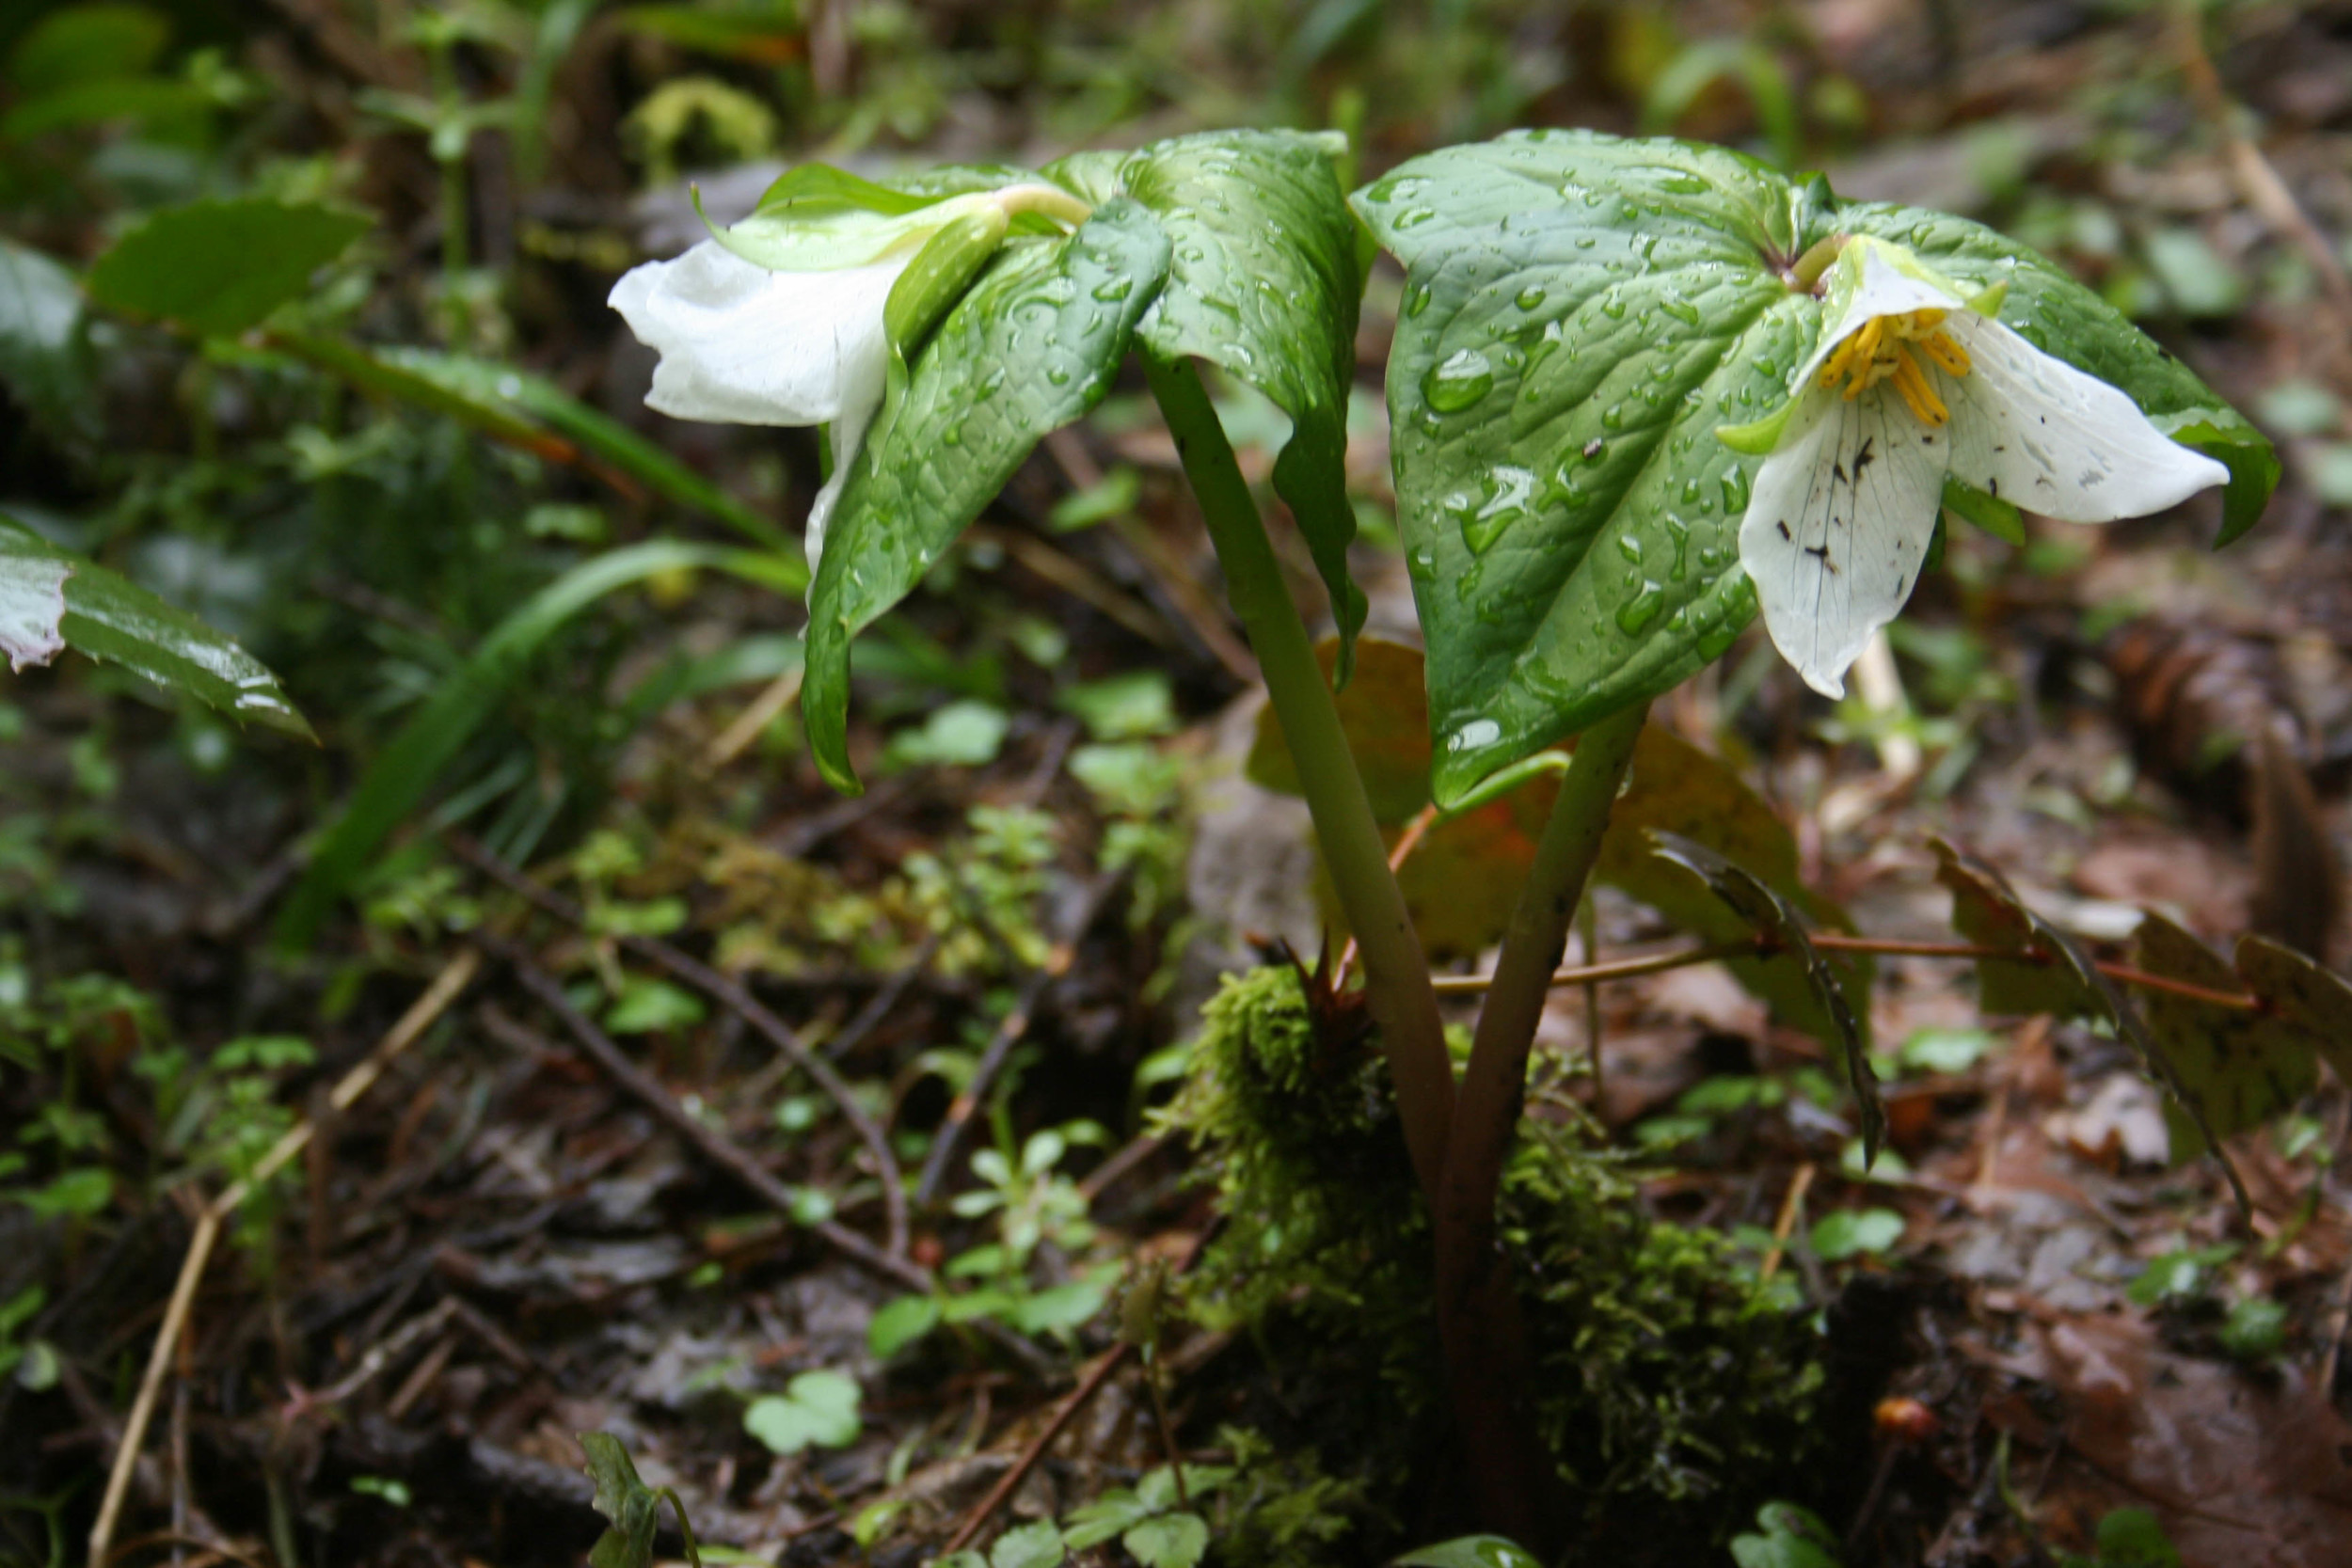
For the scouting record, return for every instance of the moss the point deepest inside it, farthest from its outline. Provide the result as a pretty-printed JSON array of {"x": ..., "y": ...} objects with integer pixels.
[{"x": 1666, "y": 1377}]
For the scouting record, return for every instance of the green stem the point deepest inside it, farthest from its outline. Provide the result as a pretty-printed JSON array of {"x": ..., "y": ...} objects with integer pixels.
[
  {"x": 1489, "y": 1370},
  {"x": 1396, "y": 975}
]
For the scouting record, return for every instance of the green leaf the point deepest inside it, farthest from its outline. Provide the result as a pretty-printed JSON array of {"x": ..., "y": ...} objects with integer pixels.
[
  {"x": 1472, "y": 1551},
  {"x": 964, "y": 734},
  {"x": 1580, "y": 313},
  {"x": 45, "y": 590},
  {"x": 1031, "y": 348},
  {"x": 1093, "y": 1523},
  {"x": 1855, "y": 1232},
  {"x": 1032, "y": 1546},
  {"x": 44, "y": 354},
  {"x": 1793, "y": 1538},
  {"x": 648, "y": 1006},
  {"x": 2132, "y": 1538},
  {"x": 1171, "y": 1540},
  {"x": 221, "y": 266},
  {"x": 631, "y": 1506},
  {"x": 900, "y": 1325},
  {"x": 2059, "y": 316},
  {"x": 1264, "y": 284},
  {"x": 401, "y": 775},
  {"x": 74, "y": 45},
  {"x": 2301, "y": 995},
  {"x": 817, "y": 1409}
]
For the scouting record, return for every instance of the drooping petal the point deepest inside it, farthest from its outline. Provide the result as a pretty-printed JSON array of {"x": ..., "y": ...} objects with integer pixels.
[
  {"x": 742, "y": 345},
  {"x": 861, "y": 390},
  {"x": 2036, "y": 432},
  {"x": 1837, "y": 525}
]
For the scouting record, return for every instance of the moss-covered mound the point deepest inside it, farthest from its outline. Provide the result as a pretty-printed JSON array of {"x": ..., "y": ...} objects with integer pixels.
[{"x": 1674, "y": 1394}]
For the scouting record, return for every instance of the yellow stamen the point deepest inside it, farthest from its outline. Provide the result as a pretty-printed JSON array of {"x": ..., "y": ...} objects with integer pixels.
[
  {"x": 1882, "y": 349},
  {"x": 1911, "y": 382}
]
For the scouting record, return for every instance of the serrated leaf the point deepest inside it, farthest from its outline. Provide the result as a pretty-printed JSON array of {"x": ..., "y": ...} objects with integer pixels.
[
  {"x": 1580, "y": 313},
  {"x": 1171, "y": 1540},
  {"x": 2240, "y": 1066},
  {"x": 2049, "y": 974},
  {"x": 2301, "y": 995},
  {"x": 1673, "y": 786},
  {"x": 92, "y": 611},
  {"x": 1263, "y": 283},
  {"x": 2053, "y": 975},
  {"x": 1775, "y": 920},
  {"x": 221, "y": 266},
  {"x": 1031, "y": 348},
  {"x": 2060, "y": 317}
]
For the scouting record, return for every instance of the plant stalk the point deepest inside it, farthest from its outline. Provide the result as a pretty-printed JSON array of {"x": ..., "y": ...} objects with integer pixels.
[
  {"x": 1396, "y": 974},
  {"x": 1488, "y": 1366}
]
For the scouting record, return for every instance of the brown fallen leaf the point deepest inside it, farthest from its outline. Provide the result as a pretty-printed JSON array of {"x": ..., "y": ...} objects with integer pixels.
[{"x": 2241, "y": 1473}]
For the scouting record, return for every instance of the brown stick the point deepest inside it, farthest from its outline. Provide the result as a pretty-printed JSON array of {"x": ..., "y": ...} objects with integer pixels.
[
  {"x": 455, "y": 977},
  {"x": 1089, "y": 1385},
  {"x": 1836, "y": 941},
  {"x": 734, "y": 996}
]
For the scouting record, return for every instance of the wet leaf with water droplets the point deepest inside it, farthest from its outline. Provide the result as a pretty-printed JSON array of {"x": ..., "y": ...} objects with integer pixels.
[
  {"x": 1538, "y": 340},
  {"x": 1027, "y": 350},
  {"x": 1264, "y": 284},
  {"x": 105, "y": 615}
]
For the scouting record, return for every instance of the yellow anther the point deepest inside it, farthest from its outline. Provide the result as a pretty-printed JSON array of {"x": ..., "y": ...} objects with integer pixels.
[{"x": 1882, "y": 349}]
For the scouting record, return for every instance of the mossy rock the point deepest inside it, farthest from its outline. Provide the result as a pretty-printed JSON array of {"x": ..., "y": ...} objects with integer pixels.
[{"x": 1675, "y": 1393}]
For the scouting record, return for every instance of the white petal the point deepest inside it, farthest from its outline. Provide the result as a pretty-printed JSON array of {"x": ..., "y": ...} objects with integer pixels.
[
  {"x": 2035, "y": 431},
  {"x": 742, "y": 345},
  {"x": 1885, "y": 290},
  {"x": 32, "y": 609},
  {"x": 1839, "y": 520},
  {"x": 860, "y": 400}
]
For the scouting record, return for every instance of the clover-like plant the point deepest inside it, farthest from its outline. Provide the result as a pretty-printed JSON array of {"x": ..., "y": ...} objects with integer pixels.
[{"x": 1637, "y": 387}]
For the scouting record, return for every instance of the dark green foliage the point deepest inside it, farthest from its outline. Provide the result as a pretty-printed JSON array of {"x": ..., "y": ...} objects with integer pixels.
[{"x": 1666, "y": 1377}]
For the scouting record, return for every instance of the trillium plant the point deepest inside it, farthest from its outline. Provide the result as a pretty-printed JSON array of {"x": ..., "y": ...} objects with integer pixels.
[{"x": 1638, "y": 390}]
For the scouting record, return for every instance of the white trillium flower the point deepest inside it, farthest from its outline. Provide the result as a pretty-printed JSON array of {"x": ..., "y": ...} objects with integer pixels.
[
  {"x": 1912, "y": 383},
  {"x": 800, "y": 344}
]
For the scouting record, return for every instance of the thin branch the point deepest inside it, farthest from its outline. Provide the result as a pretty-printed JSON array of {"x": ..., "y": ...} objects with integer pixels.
[
  {"x": 1836, "y": 941},
  {"x": 455, "y": 977},
  {"x": 730, "y": 994}
]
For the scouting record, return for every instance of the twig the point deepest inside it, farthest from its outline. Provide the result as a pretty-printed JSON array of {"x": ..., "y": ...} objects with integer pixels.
[
  {"x": 730, "y": 994},
  {"x": 772, "y": 699},
  {"x": 1622, "y": 969},
  {"x": 1089, "y": 1386},
  {"x": 2257, "y": 180},
  {"x": 1790, "y": 1205},
  {"x": 1009, "y": 1033},
  {"x": 886, "y": 996},
  {"x": 1089, "y": 1383},
  {"x": 455, "y": 977},
  {"x": 724, "y": 1152},
  {"x": 1837, "y": 942}
]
